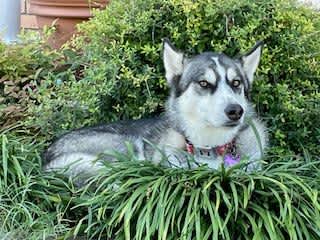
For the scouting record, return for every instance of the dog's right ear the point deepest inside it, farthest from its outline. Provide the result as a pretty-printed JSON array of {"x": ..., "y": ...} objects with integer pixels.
[
  {"x": 173, "y": 61},
  {"x": 250, "y": 60}
]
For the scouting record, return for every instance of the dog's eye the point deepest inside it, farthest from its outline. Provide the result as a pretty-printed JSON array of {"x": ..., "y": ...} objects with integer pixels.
[
  {"x": 236, "y": 83},
  {"x": 204, "y": 83}
]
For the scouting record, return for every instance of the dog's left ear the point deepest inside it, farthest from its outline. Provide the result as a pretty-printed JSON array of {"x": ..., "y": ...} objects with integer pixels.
[
  {"x": 250, "y": 60},
  {"x": 173, "y": 61}
]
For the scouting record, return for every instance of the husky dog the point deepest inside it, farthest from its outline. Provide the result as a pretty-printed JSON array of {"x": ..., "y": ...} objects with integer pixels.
[{"x": 205, "y": 116}]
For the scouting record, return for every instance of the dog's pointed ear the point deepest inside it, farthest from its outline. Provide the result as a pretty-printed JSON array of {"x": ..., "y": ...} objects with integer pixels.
[
  {"x": 173, "y": 61},
  {"x": 251, "y": 59}
]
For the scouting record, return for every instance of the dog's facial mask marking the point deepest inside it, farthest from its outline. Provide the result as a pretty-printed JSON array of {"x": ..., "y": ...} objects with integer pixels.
[
  {"x": 174, "y": 63},
  {"x": 234, "y": 80},
  {"x": 206, "y": 84}
]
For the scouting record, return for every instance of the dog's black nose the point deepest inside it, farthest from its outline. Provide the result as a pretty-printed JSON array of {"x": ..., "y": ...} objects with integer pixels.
[{"x": 234, "y": 112}]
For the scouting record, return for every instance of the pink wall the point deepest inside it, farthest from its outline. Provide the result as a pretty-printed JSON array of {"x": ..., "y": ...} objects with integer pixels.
[{"x": 28, "y": 21}]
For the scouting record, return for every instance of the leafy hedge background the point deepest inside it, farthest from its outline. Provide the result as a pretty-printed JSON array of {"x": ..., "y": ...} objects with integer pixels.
[
  {"x": 113, "y": 70},
  {"x": 119, "y": 73}
]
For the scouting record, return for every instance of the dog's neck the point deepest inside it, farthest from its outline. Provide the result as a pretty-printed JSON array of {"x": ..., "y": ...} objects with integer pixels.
[{"x": 210, "y": 136}]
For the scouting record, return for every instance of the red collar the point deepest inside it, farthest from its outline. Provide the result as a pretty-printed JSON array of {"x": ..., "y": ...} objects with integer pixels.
[{"x": 218, "y": 150}]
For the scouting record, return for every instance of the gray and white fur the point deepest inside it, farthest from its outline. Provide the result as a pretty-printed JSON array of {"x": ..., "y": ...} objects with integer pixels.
[{"x": 208, "y": 105}]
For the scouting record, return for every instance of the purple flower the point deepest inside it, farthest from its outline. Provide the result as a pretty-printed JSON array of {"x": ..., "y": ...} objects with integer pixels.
[{"x": 230, "y": 160}]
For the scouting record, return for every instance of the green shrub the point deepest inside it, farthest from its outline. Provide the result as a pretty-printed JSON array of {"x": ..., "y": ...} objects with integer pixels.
[
  {"x": 22, "y": 67},
  {"x": 122, "y": 74}
]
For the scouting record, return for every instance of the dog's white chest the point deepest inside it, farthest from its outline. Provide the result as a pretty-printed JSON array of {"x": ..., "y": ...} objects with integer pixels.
[{"x": 213, "y": 162}]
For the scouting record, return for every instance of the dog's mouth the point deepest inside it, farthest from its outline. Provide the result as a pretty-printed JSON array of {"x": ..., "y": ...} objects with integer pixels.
[
  {"x": 232, "y": 124},
  {"x": 228, "y": 124}
]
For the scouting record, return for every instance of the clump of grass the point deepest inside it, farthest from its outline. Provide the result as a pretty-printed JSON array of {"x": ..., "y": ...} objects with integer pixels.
[
  {"x": 138, "y": 200},
  {"x": 30, "y": 207}
]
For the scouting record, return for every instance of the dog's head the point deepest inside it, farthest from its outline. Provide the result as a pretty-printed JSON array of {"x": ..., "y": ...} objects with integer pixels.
[{"x": 210, "y": 88}]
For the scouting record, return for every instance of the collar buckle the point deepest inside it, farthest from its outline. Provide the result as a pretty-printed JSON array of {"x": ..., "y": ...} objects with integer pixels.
[{"x": 205, "y": 152}]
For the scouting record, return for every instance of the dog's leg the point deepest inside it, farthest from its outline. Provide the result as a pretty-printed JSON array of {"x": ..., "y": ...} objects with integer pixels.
[
  {"x": 74, "y": 163},
  {"x": 252, "y": 143}
]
